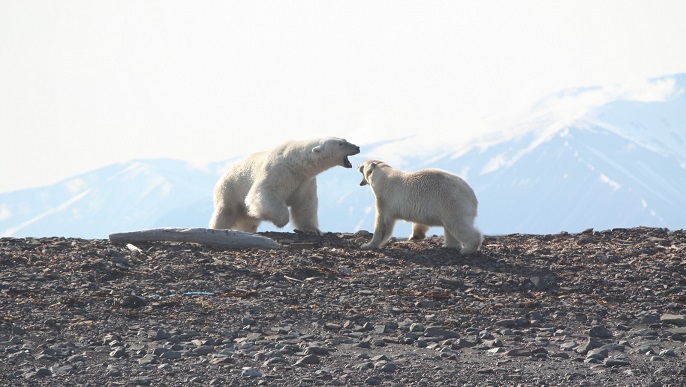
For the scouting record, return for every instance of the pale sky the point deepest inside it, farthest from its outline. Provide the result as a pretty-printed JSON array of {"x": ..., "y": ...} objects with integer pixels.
[{"x": 87, "y": 83}]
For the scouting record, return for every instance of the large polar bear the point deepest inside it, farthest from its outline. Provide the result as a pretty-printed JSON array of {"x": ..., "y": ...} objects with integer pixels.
[
  {"x": 429, "y": 197},
  {"x": 266, "y": 184}
]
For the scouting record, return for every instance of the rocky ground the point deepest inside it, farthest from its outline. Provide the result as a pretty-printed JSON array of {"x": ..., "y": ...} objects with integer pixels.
[{"x": 595, "y": 308}]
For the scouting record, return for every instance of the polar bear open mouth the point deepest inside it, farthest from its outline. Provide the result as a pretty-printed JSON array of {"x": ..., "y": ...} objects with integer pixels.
[{"x": 346, "y": 161}]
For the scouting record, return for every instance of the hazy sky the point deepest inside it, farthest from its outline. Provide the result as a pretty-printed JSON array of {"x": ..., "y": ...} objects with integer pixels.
[{"x": 87, "y": 83}]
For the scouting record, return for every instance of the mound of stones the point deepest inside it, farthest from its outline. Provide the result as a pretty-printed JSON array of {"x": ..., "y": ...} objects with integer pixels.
[{"x": 593, "y": 308}]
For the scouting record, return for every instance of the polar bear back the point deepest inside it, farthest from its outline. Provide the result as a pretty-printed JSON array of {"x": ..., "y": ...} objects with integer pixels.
[
  {"x": 276, "y": 169},
  {"x": 428, "y": 197}
]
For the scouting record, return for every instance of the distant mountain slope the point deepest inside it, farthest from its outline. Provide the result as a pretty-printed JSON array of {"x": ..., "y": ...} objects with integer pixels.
[
  {"x": 118, "y": 197},
  {"x": 615, "y": 162}
]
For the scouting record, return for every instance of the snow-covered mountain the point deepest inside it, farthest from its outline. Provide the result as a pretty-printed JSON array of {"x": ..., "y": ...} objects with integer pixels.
[{"x": 602, "y": 157}]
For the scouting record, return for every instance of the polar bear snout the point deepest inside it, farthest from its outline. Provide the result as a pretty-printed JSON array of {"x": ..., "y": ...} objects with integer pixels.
[
  {"x": 366, "y": 169},
  {"x": 354, "y": 149}
]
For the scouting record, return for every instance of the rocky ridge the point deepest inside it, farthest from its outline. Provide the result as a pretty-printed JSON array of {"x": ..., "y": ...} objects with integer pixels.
[{"x": 594, "y": 308}]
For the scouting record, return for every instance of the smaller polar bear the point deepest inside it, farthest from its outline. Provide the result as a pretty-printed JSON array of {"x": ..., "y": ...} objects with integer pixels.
[
  {"x": 265, "y": 185},
  {"x": 429, "y": 197}
]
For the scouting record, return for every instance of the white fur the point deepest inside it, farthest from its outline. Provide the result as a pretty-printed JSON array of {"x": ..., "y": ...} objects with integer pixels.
[
  {"x": 266, "y": 184},
  {"x": 429, "y": 197}
]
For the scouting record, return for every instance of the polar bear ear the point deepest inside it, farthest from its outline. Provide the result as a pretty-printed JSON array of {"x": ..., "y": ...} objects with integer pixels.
[{"x": 318, "y": 149}]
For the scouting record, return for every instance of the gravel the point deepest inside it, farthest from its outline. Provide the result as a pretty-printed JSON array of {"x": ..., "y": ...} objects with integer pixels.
[{"x": 594, "y": 308}]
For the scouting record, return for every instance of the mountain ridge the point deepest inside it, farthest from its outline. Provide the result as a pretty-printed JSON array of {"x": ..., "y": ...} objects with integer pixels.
[{"x": 616, "y": 162}]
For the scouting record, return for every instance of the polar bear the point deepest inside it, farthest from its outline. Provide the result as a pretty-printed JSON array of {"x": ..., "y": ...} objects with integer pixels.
[
  {"x": 266, "y": 184},
  {"x": 429, "y": 197}
]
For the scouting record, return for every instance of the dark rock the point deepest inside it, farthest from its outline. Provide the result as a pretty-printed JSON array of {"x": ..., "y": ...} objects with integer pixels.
[
  {"x": 539, "y": 283},
  {"x": 609, "y": 362},
  {"x": 589, "y": 345},
  {"x": 309, "y": 359},
  {"x": 316, "y": 351},
  {"x": 519, "y": 352},
  {"x": 599, "y": 331},
  {"x": 440, "y": 332},
  {"x": 674, "y": 319}
]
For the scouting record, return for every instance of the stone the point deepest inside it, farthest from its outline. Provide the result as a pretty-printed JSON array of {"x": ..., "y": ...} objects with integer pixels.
[
  {"x": 385, "y": 366},
  {"x": 427, "y": 304},
  {"x": 440, "y": 332},
  {"x": 462, "y": 343},
  {"x": 588, "y": 345},
  {"x": 118, "y": 353},
  {"x": 308, "y": 359},
  {"x": 539, "y": 283},
  {"x": 599, "y": 331},
  {"x": 222, "y": 360},
  {"x": 148, "y": 359},
  {"x": 417, "y": 327},
  {"x": 668, "y": 352},
  {"x": 159, "y": 334},
  {"x": 609, "y": 362},
  {"x": 512, "y": 323},
  {"x": 316, "y": 351},
  {"x": 172, "y": 355},
  {"x": 519, "y": 352},
  {"x": 202, "y": 350},
  {"x": 60, "y": 370},
  {"x": 486, "y": 335},
  {"x": 568, "y": 346},
  {"x": 674, "y": 319},
  {"x": 249, "y": 372}
]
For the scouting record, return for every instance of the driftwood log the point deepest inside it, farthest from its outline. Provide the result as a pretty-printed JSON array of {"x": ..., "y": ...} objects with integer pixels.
[{"x": 218, "y": 238}]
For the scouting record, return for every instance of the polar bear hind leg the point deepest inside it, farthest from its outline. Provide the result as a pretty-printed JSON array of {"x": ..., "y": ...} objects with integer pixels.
[
  {"x": 461, "y": 234},
  {"x": 418, "y": 231},
  {"x": 222, "y": 218},
  {"x": 232, "y": 219},
  {"x": 246, "y": 223}
]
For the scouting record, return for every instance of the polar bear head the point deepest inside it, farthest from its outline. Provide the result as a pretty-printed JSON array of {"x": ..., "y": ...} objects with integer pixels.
[
  {"x": 367, "y": 168},
  {"x": 337, "y": 149}
]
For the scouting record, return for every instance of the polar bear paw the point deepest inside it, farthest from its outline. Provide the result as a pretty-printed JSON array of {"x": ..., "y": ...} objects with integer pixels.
[{"x": 308, "y": 231}]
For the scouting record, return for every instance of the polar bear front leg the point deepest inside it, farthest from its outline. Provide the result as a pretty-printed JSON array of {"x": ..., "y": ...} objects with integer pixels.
[
  {"x": 304, "y": 204},
  {"x": 264, "y": 204},
  {"x": 383, "y": 229}
]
